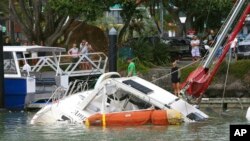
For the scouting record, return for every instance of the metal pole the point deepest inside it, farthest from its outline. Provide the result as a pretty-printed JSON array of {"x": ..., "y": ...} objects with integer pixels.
[
  {"x": 161, "y": 17},
  {"x": 112, "y": 50},
  {"x": 184, "y": 30},
  {"x": 1, "y": 68},
  {"x": 11, "y": 27}
]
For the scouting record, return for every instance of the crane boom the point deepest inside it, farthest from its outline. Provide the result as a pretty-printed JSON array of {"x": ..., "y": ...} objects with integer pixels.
[{"x": 199, "y": 80}]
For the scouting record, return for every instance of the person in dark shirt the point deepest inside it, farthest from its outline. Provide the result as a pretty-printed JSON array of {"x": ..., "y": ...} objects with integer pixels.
[
  {"x": 17, "y": 42},
  {"x": 211, "y": 37},
  {"x": 175, "y": 78},
  {"x": 41, "y": 53}
]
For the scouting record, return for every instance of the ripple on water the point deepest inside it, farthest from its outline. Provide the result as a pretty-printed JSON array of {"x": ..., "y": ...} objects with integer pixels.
[{"x": 15, "y": 126}]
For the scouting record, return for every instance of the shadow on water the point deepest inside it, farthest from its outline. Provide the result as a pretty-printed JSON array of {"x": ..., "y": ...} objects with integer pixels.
[{"x": 15, "y": 126}]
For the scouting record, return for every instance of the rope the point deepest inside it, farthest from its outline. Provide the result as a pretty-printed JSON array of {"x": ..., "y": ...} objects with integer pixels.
[
  {"x": 162, "y": 77},
  {"x": 225, "y": 83}
]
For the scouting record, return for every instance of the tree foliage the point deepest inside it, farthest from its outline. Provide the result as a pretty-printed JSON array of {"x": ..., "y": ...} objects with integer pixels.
[
  {"x": 49, "y": 19},
  {"x": 87, "y": 10},
  {"x": 200, "y": 12},
  {"x": 128, "y": 14},
  {"x": 4, "y": 8},
  {"x": 38, "y": 21}
]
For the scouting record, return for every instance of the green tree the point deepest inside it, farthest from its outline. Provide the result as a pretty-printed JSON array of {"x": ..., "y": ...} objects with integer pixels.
[
  {"x": 4, "y": 7},
  {"x": 49, "y": 19},
  {"x": 129, "y": 13},
  {"x": 4, "y": 15},
  {"x": 199, "y": 12},
  {"x": 135, "y": 19}
]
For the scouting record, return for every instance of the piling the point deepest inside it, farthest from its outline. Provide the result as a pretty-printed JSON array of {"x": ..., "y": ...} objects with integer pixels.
[{"x": 112, "y": 50}]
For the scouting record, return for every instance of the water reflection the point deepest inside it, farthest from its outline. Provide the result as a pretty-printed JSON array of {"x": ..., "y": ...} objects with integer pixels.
[{"x": 15, "y": 126}]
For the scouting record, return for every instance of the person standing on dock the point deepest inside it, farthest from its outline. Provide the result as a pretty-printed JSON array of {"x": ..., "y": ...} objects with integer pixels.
[
  {"x": 211, "y": 37},
  {"x": 34, "y": 55},
  {"x": 131, "y": 67},
  {"x": 85, "y": 47},
  {"x": 175, "y": 78},
  {"x": 73, "y": 52},
  {"x": 195, "y": 42},
  {"x": 233, "y": 48}
]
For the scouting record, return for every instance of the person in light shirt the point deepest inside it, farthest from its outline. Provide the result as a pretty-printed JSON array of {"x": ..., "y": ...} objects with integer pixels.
[
  {"x": 233, "y": 48},
  {"x": 195, "y": 42},
  {"x": 73, "y": 52},
  {"x": 85, "y": 47}
]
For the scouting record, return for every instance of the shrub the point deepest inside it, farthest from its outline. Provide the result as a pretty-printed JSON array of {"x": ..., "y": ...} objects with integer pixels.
[
  {"x": 160, "y": 54},
  {"x": 240, "y": 68},
  {"x": 142, "y": 50},
  {"x": 237, "y": 69},
  {"x": 150, "y": 51}
]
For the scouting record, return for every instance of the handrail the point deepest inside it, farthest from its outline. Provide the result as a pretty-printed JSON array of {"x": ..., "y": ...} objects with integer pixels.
[
  {"x": 96, "y": 61},
  {"x": 74, "y": 87}
]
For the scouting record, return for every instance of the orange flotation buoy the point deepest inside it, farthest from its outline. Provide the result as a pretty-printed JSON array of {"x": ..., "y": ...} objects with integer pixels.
[
  {"x": 135, "y": 118},
  {"x": 159, "y": 117}
]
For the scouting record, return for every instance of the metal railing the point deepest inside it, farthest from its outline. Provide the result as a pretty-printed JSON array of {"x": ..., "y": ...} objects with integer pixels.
[
  {"x": 91, "y": 64},
  {"x": 74, "y": 87}
]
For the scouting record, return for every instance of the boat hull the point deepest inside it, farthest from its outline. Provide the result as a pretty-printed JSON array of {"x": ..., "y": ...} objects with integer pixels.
[{"x": 16, "y": 90}]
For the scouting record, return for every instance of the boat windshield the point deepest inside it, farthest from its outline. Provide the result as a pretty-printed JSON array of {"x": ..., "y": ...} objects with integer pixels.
[{"x": 9, "y": 63}]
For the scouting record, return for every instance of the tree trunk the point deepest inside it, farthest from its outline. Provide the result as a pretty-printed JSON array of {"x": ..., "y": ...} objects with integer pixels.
[
  {"x": 37, "y": 25},
  {"x": 123, "y": 31},
  {"x": 70, "y": 33}
]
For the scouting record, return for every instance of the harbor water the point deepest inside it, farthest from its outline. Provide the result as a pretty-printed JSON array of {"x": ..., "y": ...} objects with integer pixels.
[{"x": 15, "y": 126}]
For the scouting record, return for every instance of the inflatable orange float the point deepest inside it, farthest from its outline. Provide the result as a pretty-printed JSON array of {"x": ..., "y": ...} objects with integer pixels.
[{"x": 135, "y": 118}]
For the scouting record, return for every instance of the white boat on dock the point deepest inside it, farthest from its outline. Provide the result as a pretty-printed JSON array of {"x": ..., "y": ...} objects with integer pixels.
[{"x": 30, "y": 80}]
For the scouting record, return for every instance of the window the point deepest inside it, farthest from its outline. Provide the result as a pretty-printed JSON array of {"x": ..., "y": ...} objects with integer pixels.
[{"x": 9, "y": 63}]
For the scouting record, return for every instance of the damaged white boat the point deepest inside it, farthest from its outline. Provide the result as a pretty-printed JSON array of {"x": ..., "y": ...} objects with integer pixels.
[{"x": 115, "y": 94}]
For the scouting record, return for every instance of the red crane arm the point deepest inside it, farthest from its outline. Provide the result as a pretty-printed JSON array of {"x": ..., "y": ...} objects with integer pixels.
[{"x": 199, "y": 80}]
